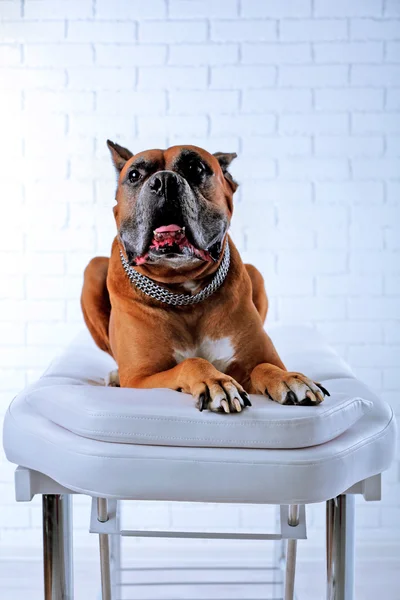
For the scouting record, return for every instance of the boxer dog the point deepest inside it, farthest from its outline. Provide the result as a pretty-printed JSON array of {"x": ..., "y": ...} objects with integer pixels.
[{"x": 175, "y": 305}]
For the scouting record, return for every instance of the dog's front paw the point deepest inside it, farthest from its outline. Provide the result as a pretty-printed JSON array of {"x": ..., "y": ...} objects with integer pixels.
[
  {"x": 286, "y": 387},
  {"x": 220, "y": 394}
]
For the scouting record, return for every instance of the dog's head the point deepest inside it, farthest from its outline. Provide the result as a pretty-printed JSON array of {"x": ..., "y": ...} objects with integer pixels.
[{"x": 173, "y": 206}]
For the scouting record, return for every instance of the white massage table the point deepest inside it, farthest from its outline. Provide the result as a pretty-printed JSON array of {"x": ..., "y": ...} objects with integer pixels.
[{"x": 69, "y": 434}]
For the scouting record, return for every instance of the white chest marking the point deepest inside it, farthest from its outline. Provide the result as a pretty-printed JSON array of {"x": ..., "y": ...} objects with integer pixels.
[{"x": 219, "y": 353}]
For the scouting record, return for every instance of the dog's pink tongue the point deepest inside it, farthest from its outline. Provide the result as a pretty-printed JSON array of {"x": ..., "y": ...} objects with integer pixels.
[{"x": 167, "y": 228}]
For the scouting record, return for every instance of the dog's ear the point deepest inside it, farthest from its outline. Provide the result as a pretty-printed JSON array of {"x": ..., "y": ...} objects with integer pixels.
[
  {"x": 225, "y": 159},
  {"x": 119, "y": 155}
]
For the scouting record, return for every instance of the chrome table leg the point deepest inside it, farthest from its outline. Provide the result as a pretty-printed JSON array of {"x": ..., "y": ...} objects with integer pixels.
[
  {"x": 291, "y": 552},
  {"x": 57, "y": 547},
  {"x": 102, "y": 515},
  {"x": 340, "y": 548}
]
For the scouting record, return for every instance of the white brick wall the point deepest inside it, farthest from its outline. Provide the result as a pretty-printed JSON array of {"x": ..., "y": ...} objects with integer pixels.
[{"x": 307, "y": 92}]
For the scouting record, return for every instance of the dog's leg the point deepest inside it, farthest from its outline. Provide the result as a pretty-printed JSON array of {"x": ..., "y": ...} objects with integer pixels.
[
  {"x": 210, "y": 388},
  {"x": 259, "y": 295},
  {"x": 95, "y": 301}
]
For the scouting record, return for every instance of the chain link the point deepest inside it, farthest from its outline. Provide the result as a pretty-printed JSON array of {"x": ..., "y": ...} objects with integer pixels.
[{"x": 152, "y": 289}]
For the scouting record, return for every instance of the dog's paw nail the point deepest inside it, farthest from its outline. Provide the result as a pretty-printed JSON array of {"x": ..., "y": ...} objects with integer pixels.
[
  {"x": 237, "y": 405},
  {"x": 225, "y": 406},
  {"x": 246, "y": 399},
  {"x": 310, "y": 395},
  {"x": 323, "y": 390},
  {"x": 291, "y": 398},
  {"x": 202, "y": 402}
]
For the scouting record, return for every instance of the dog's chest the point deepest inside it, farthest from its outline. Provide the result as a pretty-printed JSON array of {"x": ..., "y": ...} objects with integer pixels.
[{"x": 219, "y": 353}]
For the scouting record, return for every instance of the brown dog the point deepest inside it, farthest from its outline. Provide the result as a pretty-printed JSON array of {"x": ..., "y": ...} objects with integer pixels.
[{"x": 174, "y": 305}]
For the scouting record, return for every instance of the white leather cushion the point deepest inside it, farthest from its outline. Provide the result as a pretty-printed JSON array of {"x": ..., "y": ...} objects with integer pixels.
[{"x": 164, "y": 417}]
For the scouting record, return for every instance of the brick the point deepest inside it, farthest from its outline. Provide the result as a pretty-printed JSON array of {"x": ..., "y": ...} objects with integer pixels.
[
  {"x": 393, "y": 101},
  {"x": 374, "y": 308},
  {"x": 373, "y": 168},
  {"x": 252, "y": 124},
  {"x": 170, "y": 124},
  {"x": 14, "y": 288},
  {"x": 143, "y": 103},
  {"x": 276, "y": 9},
  {"x": 130, "y": 55},
  {"x": 181, "y": 9},
  {"x": 46, "y": 101},
  {"x": 87, "y": 78},
  {"x": 313, "y": 123},
  {"x": 313, "y": 169},
  {"x": 16, "y": 517},
  {"x": 41, "y": 334},
  {"x": 351, "y": 146},
  {"x": 58, "y": 9},
  {"x": 375, "y": 75},
  {"x": 172, "y": 31},
  {"x": 313, "y": 75},
  {"x": 374, "y": 29},
  {"x": 277, "y": 147},
  {"x": 67, "y": 191},
  {"x": 276, "y": 100},
  {"x": 392, "y": 285},
  {"x": 349, "y": 52},
  {"x": 343, "y": 8},
  {"x": 391, "y": 237},
  {"x": 242, "y": 76},
  {"x": 134, "y": 9},
  {"x": 351, "y": 332},
  {"x": 392, "y": 52},
  {"x": 52, "y": 287},
  {"x": 20, "y": 79},
  {"x": 276, "y": 53},
  {"x": 64, "y": 240},
  {"x": 310, "y": 30},
  {"x": 393, "y": 192},
  {"x": 392, "y": 8},
  {"x": 349, "y": 285},
  {"x": 203, "y": 54},
  {"x": 380, "y": 356},
  {"x": 392, "y": 332},
  {"x": 89, "y": 168},
  {"x": 349, "y": 99},
  {"x": 57, "y": 55},
  {"x": 373, "y": 262},
  {"x": 376, "y": 123},
  {"x": 291, "y": 309},
  {"x": 255, "y": 167},
  {"x": 10, "y": 55},
  {"x": 369, "y": 217},
  {"x": 30, "y": 31},
  {"x": 10, "y": 10},
  {"x": 311, "y": 262},
  {"x": 360, "y": 238},
  {"x": 113, "y": 31},
  {"x": 283, "y": 193},
  {"x": 278, "y": 238},
  {"x": 243, "y": 31},
  {"x": 172, "y": 78},
  {"x": 215, "y": 102}
]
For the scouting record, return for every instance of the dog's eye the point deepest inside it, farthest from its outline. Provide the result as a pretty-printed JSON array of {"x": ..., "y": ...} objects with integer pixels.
[
  {"x": 134, "y": 176},
  {"x": 196, "y": 169}
]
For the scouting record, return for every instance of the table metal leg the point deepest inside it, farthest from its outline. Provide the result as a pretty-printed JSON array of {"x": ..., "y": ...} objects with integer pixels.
[
  {"x": 57, "y": 547},
  {"x": 340, "y": 547}
]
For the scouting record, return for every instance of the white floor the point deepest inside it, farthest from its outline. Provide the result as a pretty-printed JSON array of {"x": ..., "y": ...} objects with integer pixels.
[{"x": 20, "y": 580}]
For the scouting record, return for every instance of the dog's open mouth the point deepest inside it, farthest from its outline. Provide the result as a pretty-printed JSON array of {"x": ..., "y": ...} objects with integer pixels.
[{"x": 170, "y": 241}]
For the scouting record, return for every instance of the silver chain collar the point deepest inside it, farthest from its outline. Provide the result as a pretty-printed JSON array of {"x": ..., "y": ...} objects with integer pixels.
[{"x": 152, "y": 289}]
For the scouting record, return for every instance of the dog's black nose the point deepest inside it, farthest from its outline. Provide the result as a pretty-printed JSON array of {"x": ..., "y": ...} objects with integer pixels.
[{"x": 163, "y": 183}]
